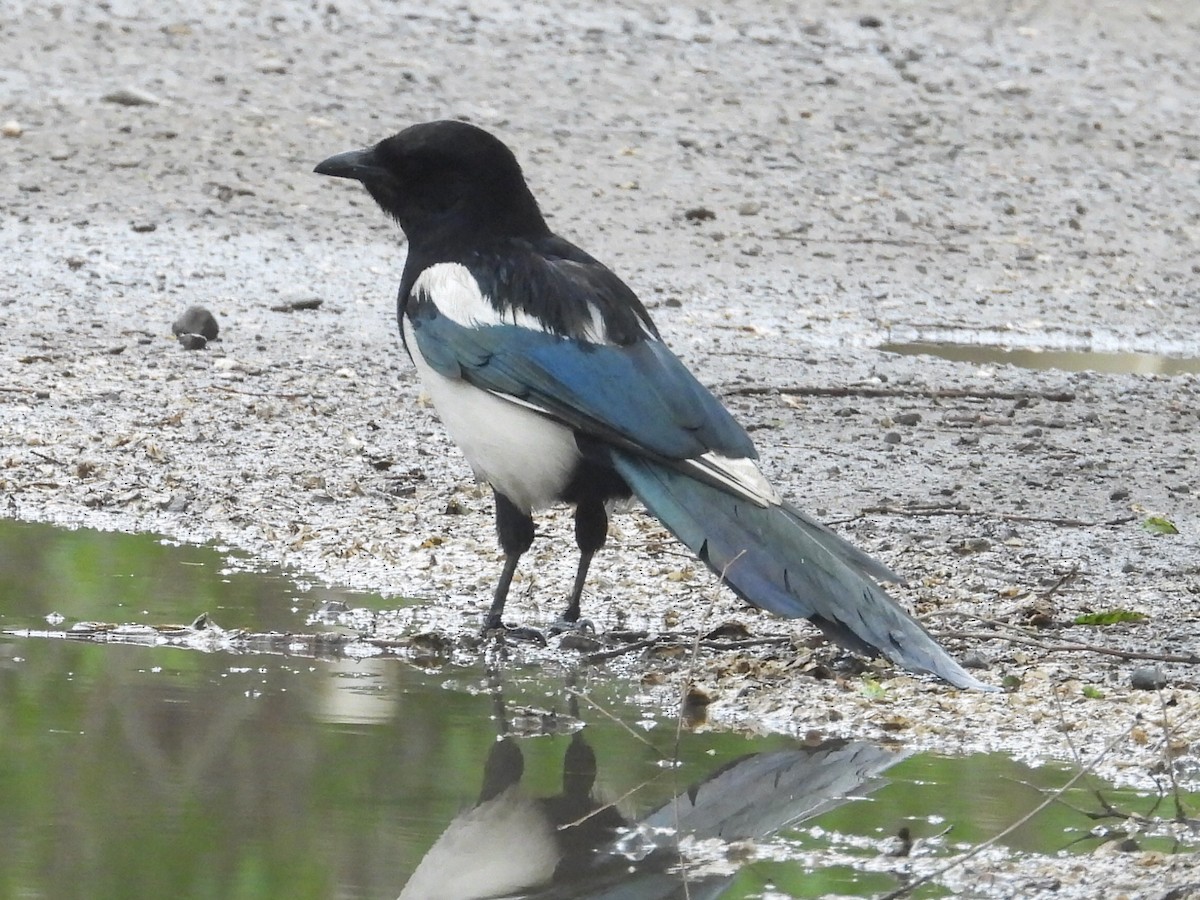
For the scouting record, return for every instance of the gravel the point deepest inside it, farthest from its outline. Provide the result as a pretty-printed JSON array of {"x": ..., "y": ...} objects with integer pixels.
[{"x": 787, "y": 189}]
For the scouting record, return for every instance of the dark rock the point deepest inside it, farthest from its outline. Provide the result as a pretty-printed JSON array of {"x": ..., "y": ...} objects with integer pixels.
[
  {"x": 199, "y": 321},
  {"x": 1147, "y": 678}
]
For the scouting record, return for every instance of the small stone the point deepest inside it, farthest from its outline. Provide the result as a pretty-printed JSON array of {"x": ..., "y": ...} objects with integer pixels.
[
  {"x": 749, "y": 208},
  {"x": 972, "y": 545},
  {"x": 1119, "y": 494},
  {"x": 699, "y": 214},
  {"x": 574, "y": 640},
  {"x": 974, "y": 660},
  {"x": 272, "y": 66},
  {"x": 143, "y": 227},
  {"x": 298, "y": 305},
  {"x": 131, "y": 97},
  {"x": 1147, "y": 678},
  {"x": 908, "y": 418},
  {"x": 870, "y": 22},
  {"x": 892, "y": 437},
  {"x": 192, "y": 341},
  {"x": 197, "y": 320},
  {"x": 1012, "y": 89},
  {"x": 12, "y": 128}
]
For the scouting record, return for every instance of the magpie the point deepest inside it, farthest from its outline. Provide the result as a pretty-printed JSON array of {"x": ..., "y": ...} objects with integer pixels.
[{"x": 548, "y": 373}]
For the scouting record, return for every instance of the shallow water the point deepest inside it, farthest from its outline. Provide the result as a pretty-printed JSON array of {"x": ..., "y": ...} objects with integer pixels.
[
  {"x": 131, "y": 771},
  {"x": 1066, "y": 360}
]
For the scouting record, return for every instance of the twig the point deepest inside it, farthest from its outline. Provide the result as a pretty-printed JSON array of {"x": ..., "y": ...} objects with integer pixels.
[
  {"x": 1105, "y": 805},
  {"x": 1190, "y": 659},
  {"x": 755, "y": 390},
  {"x": 1062, "y": 582},
  {"x": 780, "y": 641},
  {"x": 683, "y": 698},
  {"x": 1180, "y": 815},
  {"x": 979, "y": 848},
  {"x": 605, "y": 655},
  {"x": 891, "y": 242},
  {"x": 947, "y": 510},
  {"x": 48, "y": 458},
  {"x": 606, "y": 713},
  {"x": 612, "y": 804},
  {"x": 271, "y": 396}
]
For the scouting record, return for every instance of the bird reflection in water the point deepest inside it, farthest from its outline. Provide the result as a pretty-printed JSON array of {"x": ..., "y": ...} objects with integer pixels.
[{"x": 573, "y": 845}]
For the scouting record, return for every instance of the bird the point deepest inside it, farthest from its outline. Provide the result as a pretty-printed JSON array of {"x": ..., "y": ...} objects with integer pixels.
[{"x": 548, "y": 373}]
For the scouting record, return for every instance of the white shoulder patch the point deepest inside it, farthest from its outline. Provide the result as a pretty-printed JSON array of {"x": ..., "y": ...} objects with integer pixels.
[{"x": 454, "y": 291}]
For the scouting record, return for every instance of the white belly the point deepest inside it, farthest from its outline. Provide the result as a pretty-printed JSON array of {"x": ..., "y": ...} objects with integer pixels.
[{"x": 524, "y": 455}]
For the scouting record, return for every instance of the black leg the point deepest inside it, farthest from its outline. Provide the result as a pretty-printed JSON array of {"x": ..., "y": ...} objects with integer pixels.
[
  {"x": 591, "y": 530},
  {"x": 515, "y": 530}
]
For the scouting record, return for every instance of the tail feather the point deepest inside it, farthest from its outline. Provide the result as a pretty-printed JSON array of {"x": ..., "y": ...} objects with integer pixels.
[{"x": 780, "y": 560}]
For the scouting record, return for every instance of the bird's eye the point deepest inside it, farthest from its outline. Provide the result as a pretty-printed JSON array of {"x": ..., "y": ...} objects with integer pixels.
[{"x": 435, "y": 189}]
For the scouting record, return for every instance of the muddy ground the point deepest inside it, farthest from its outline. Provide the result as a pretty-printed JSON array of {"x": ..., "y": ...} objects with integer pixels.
[{"x": 1025, "y": 174}]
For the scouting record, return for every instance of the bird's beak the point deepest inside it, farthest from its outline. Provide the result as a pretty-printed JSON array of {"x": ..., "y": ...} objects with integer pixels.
[{"x": 360, "y": 165}]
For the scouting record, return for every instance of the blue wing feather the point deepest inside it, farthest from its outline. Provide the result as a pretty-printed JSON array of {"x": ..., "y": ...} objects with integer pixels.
[{"x": 639, "y": 395}]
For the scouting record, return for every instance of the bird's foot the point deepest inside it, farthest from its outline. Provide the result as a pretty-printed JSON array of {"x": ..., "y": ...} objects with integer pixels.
[{"x": 500, "y": 632}]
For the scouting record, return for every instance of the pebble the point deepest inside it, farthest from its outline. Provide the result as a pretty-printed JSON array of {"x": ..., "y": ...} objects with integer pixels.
[
  {"x": 892, "y": 437},
  {"x": 131, "y": 97},
  {"x": 12, "y": 128},
  {"x": 907, "y": 418},
  {"x": 298, "y": 305},
  {"x": 1147, "y": 678},
  {"x": 272, "y": 66},
  {"x": 143, "y": 227},
  {"x": 196, "y": 320}
]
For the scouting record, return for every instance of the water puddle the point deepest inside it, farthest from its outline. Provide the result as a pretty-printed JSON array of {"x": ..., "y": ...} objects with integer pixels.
[
  {"x": 150, "y": 771},
  {"x": 1066, "y": 360},
  {"x": 87, "y": 575}
]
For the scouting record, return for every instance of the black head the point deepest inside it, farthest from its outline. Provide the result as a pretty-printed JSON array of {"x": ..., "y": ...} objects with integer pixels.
[{"x": 447, "y": 183}]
